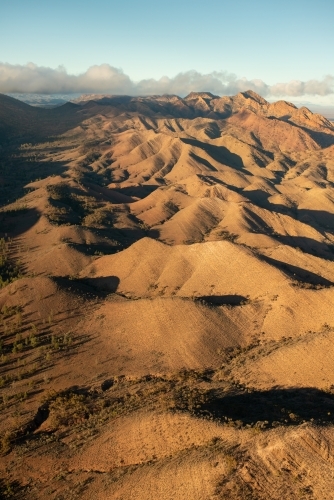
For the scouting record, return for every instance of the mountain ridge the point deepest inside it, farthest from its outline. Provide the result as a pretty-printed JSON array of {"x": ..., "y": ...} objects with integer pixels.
[{"x": 20, "y": 119}]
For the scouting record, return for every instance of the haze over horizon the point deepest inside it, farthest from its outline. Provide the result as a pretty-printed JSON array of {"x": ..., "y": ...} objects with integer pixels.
[{"x": 131, "y": 49}]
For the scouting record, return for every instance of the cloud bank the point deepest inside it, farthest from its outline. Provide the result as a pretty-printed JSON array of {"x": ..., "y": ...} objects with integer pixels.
[{"x": 106, "y": 79}]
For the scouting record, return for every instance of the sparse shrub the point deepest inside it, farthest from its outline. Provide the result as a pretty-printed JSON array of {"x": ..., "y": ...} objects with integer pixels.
[
  {"x": 50, "y": 317},
  {"x": 5, "y": 442},
  {"x": 3, "y": 359},
  {"x": 19, "y": 346},
  {"x": 66, "y": 206},
  {"x": 68, "y": 409},
  {"x": 9, "y": 271},
  {"x": 230, "y": 462},
  {"x": 33, "y": 341},
  {"x": 226, "y": 235}
]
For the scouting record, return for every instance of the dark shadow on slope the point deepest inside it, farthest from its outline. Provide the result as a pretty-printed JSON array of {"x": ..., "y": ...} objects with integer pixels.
[
  {"x": 137, "y": 191},
  {"x": 321, "y": 220},
  {"x": 12, "y": 489},
  {"x": 203, "y": 162},
  {"x": 299, "y": 274},
  {"x": 212, "y": 130},
  {"x": 106, "y": 384},
  {"x": 83, "y": 287},
  {"x": 115, "y": 240},
  {"x": 317, "y": 219},
  {"x": 218, "y": 153},
  {"x": 43, "y": 412},
  {"x": 308, "y": 245},
  {"x": 223, "y": 300},
  {"x": 270, "y": 408},
  {"x": 117, "y": 101},
  {"x": 321, "y": 138},
  {"x": 17, "y": 220},
  {"x": 304, "y": 243},
  {"x": 215, "y": 180},
  {"x": 21, "y": 123},
  {"x": 258, "y": 197},
  {"x": 17, "y": 172},
  {"x": 104, "y": 284},
  {"x": 102, "y": 193},
  {"x": 97, "y": 249}
]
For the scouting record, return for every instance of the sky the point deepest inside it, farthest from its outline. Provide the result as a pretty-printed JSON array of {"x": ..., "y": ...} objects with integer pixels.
[{"x": 281, "y": 49}]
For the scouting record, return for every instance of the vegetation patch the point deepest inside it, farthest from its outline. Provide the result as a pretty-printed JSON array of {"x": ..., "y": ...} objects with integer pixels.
[
  {"x": 100, "y": 217},
  {"x": 65, "y": 206},
  {"x": 69, "y": 206},
  {"x": 265, "y": 409},
  {"x": 10, "y": 489},
  {"x": 9, "y": 270},
  {"x": 16, "y": 209}
]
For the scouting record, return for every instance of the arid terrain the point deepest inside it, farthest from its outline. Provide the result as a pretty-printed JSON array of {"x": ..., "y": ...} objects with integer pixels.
[{"x": 166, "y": 299}]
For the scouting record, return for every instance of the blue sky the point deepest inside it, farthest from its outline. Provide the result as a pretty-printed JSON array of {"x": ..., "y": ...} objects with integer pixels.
[{"x": 274, "y": 42}]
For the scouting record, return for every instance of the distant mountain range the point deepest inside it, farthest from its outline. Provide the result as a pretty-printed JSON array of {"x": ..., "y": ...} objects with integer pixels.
[
  {"x": 20, "y": 120},
  {"x": 52, "y": 100}
]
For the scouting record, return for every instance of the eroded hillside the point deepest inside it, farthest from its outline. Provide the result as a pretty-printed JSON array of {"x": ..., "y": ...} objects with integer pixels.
[{"x": 167, "y": 290}]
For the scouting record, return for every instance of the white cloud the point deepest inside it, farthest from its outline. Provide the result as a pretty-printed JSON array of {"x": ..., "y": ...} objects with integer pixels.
[
  {"x": 38, "y": 79},
  {"x": 104, "y": 78},
  {"x": 311, "y": 87}
]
